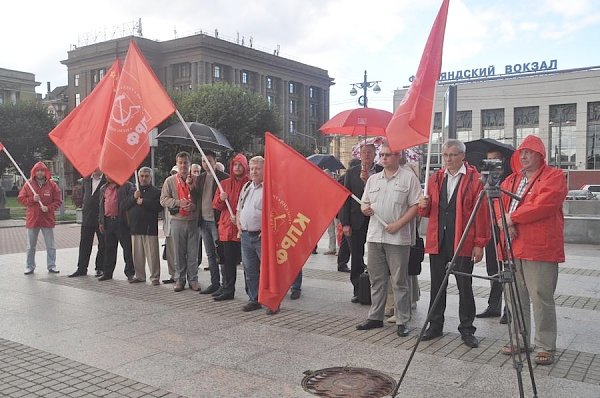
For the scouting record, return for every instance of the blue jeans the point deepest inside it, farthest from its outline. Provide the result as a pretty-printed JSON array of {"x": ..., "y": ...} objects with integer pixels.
[
  {"x": 298, "y": 282},
  {"x": 32, "y": 237},
  {"x": 251, "y": 260},
  {"x": 209, "y": 236}
]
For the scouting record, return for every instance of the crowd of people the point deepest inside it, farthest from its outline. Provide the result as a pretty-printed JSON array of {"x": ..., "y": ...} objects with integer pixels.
[{"x": 203, "y": 205}]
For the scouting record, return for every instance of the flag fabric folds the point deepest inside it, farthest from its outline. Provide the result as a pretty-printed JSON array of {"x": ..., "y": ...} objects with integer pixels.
[
  {"x": 295, "y": 214},
  {"x": 140, "y": 104},
  {"x": 80, "y": 135},
  {"x": 411, "y": 123}
]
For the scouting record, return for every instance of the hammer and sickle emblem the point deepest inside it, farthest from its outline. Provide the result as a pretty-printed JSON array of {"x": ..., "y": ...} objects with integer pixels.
[{"x": 125, "y": 115}]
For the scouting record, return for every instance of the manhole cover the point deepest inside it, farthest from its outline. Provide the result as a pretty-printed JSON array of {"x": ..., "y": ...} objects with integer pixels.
[{"x": 348, "y": 382}]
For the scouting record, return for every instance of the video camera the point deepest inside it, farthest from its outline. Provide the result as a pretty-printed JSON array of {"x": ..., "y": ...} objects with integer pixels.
[{"x": 492, "y": 172}]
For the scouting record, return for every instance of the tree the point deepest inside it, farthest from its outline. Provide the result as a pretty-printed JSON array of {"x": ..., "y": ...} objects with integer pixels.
[
  {"x": 24, "y": 129},
  {"x": 239, "y": 114}
]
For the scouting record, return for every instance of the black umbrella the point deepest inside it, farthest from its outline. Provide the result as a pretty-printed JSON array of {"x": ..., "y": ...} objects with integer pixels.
[
  {"x": 208, "y": 137},
  {"x": 328, "y": 162},
  {"x": 477, "y": 150}
]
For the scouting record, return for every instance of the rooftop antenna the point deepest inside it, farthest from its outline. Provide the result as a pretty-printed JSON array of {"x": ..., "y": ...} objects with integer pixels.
[
  {"x": 175, "y": 31},
  {"x": 139, "y": 28}
]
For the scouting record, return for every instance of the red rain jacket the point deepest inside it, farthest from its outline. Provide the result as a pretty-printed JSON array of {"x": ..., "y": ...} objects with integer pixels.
[
  {"x": 232, "y": 186},
  {"x": 538, "y": 217},
  {"x": 49, "y": 196},
  {"x": 468, "y": 192}
]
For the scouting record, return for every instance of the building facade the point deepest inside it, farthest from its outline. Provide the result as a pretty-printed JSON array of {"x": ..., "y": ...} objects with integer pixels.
[
  {"x": 16, "y": 86},
  {"x": 561, "y": 107},
  {"x": 300, "y": 92}
]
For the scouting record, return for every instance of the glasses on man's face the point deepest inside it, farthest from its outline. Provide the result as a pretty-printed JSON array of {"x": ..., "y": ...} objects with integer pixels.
[
  {"x": 386, "y": 154},
  {"x": 451, "y": 155}
]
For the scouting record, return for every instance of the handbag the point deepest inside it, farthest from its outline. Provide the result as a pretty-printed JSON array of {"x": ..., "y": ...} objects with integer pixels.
[{"x": 417, "y": 255}]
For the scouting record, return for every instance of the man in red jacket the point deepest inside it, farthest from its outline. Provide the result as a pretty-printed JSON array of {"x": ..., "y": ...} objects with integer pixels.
[
  {"x": 535, "y": 225},
  {"x": 228, "y": 231},
  {"x": 41, "y": 205},
  {"x": 452, "y": 194}
]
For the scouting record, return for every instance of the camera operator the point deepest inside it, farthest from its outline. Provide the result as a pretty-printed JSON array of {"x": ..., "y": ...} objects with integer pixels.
[
  {"x": 491, "y": 259},
  {"x": 535, "y": 226}
]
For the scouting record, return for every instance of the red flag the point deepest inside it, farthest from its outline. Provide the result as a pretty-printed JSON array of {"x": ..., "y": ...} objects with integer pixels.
[
  {"x": 1, "y": 147},
  {"x": 80, "y": 135},
  {"x": 296, "y": 212},
  {"x": 140, "y": 104},
  {"x": 411, "y": 123}
]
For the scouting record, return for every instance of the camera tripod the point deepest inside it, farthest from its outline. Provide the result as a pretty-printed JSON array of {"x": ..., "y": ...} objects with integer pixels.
[{"x": 517, "y": 332}]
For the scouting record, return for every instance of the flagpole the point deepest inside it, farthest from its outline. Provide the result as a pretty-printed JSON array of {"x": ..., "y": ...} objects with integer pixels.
[
  {"x": 360, "y": 202},
  {"x": 212, "y": 171},
  {"x": 137, "y": 182},
  {"x": 428, "y": 164},
  {"x": 21, "y": 172}
]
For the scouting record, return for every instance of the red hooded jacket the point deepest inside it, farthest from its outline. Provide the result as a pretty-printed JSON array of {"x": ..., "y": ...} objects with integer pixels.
[
  {"x": 538, "y": 217},
  {"x": 232, "y": 186},
  {"x": 49, "y": 196},
  {"x": 468, "y": 191}
]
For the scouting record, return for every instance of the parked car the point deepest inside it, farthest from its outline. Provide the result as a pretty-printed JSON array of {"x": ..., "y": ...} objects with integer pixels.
[
  {"x": 594, "y": 189},
  {"x": 580, "y": 194}
]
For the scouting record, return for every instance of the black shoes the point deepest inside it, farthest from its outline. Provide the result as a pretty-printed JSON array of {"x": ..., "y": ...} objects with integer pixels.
[
  {"x": 223, "y": 297},
  {"x": 354, "y": 299},
  {"x": 431, "y": 334},
  {"x": 130, "y": 278},
  {"x": 488, "y": 313},
  {"x": 105, "y": 278},
  {"x": 369, "y": 324},
  {"x": 167, "y": 281},
  {"x": 99, "y": 273},
  {"x": 402, "y": 331},
  {"x": 469, "y": 340},
  {"x": 271, "y": 312},
  {"x": 78, "y": 273},
  {"x": 211, "y": 289},
  {"x": 218, "y": 292},
  {"x": 343, "y": 268},
  {"x": 251, "y": 306},
  {"x": 295, "y": 294}
]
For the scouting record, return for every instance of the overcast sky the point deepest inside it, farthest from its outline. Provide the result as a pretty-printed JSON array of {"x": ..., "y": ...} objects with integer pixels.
[{"x": 345, "y": 37}]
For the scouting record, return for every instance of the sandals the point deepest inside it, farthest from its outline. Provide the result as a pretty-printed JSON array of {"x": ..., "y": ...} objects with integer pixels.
[
  {"x": 544, "y": 358},
  {"x": 511, "y": 349}
]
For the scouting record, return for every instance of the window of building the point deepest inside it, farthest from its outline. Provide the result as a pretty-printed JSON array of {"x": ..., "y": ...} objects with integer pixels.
[
  {"x": 1, "y": 98},
  {"x": 562, "y": 148},
  {"x": 269, "y": 83},
  {"x": 292, "y": 88},
  {"x": 593, "y": 136},
  {"x": 527, "y": 121},
  {"x": 270, "y": 100},
  {"x": 244, "y": 77},
  {"x": 492, "y": 125},
  {"x": 217, "y": 72},
  {"x": 311, "y": 92},
  {"x": 464, "y": 126},
  {"x": 292, "y": 127},
  {"x": 292, "y": 107},
  {"x": 77, "y": 99},
  {"x": 313, "y": 110},
  {"x": 76, "y": 80},
  {"x": 97, "y": 75},
  {"x": 182, "y": 70}
]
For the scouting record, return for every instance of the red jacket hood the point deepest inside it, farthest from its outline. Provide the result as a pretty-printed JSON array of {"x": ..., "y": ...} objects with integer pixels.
[
  {"x": 531, "y": 142},
  {"x": 40, "y": 166},
  {"x": 240, "y": 158}
]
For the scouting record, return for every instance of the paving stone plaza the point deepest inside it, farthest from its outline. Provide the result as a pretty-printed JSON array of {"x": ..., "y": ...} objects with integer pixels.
[{"x": 77, "y": 337}]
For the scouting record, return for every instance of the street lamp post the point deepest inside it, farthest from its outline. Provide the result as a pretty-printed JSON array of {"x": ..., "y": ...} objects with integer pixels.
[{"x": 365, "y": 85}]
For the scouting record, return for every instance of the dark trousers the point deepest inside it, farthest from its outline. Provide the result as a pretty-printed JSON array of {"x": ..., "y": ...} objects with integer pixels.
[
  {"x": 357, "y": 249},
  {"x": 491, "y": 265},
  {"x": 344, "y": 252},
  {"x": 232, "y": 252},
  {"x": 86, "y": 241},
  {"x": 115, "y": 232},
  {"x": 466, "y": 301}
]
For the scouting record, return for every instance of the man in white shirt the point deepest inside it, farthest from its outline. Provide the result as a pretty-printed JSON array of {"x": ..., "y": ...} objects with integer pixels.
[{"x": 393, "y": 194}]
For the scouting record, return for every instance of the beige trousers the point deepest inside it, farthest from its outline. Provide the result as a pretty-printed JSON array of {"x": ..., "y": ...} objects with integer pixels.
[{"x": 145, "y": 249}]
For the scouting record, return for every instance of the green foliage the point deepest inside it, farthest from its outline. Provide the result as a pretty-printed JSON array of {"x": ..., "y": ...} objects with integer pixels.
[
  {"x": 24, "y": 129},
  {"x": 239, "y": 114}
]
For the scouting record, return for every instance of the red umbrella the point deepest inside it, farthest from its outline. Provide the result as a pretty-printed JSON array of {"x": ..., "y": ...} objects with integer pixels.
[{"x": 357, "y": 122}]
